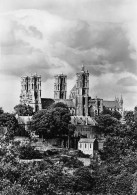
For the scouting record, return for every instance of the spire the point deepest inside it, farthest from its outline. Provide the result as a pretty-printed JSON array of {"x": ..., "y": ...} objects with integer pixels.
[
  {"x": 116, "y": 99},
  {"x": 121, "y": 100},
  {"x": 82, "y": 68}
]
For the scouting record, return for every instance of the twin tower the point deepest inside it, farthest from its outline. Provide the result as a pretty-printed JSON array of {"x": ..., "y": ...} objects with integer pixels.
[
  {"x": 79, "y": 95},
  {"x": 78, "y": 98}
]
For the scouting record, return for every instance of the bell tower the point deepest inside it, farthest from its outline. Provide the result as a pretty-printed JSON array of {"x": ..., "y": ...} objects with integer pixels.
[
  {"x": 82, "y": 92},
  {"x": 31, "y": 91},
  {"x": 60, "y": 86}
]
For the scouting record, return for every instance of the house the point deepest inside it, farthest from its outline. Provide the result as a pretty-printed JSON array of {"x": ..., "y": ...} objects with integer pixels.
[{"x": 88, "y": 146}]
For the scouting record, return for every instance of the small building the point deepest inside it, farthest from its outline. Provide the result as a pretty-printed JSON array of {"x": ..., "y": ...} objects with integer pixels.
[
  {"x": 88, "y": 146},
  {"x": 85, "y": 126}
]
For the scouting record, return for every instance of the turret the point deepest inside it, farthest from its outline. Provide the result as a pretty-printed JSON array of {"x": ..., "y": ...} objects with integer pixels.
[
  {"x": 31, "y": 91},
  {"x": 121, "y": 100},
  {"x": 60, "y": 86},
  {"x": 82, "y": 92}
]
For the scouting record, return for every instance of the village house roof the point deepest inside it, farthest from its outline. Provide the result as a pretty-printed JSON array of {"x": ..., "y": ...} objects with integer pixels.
[
  {"x": 83, "y": 120},
  {"x": 86, "y": 140}
]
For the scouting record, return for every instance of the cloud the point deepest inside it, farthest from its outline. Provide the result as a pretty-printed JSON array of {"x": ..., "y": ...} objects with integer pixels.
[
  {"x": 127, "y": 81},
  {"x": 35, "y": 32},
  {"x": 28, "y": 47},
  {"x": 103, "y": 48},
  {"x": 55, "y": 36}
]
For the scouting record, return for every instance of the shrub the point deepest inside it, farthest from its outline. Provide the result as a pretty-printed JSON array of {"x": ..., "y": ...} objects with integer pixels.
[
  {"x": 83, "y": 180},
  {"x": 51, "y": 152},
  {"x": 29, "y": 152},
  {"x": 82, "y": 155},
  {"x": 71, "y": 162}
]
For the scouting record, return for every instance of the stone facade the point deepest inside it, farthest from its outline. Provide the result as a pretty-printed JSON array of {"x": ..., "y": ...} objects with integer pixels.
[
  {"x": 88, "y": 146},
  {"x": 79, "y": 102},
  {"x": 31, "y": 91},
  {"x": 82, "y": 92},
  {"x": 82, "y": 107},
  {"x": 60, "y": 87},
  {"x": 117, "y": 105}
]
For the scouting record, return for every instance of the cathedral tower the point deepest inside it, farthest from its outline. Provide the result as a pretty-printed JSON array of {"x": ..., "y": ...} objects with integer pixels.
[
  {"x": 60, "y": 86},
  {"x": 82, "y": 92},
  {"x": 31, "y": 91}
]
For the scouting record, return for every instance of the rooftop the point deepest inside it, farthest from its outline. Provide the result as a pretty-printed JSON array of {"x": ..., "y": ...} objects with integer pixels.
[
  {"x": 111, "y": 104},
  {"x": 86, "y": 140}
]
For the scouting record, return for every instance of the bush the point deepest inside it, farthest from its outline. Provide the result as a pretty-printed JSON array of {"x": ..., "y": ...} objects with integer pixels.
[
  {"x": 80, "y": 154},
  {"x": 84, "y": 180},
  {"x": 71, "y": 162},
  {"x": 51, "y": 152},
  {"x": 29, "y": 152}
]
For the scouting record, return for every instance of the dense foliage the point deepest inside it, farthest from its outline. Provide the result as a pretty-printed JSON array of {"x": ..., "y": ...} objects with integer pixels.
[
  {"x": 106, "y": 123},
  {"x": 117, "y": 171},
  {"x": 10, "y": 122},
  {"x": 53, "y": 175},
  {"x": 23, "y": 110},
  {"x": 53, "y": 122},
  {"x": 29, "y": 152},
  {"x": 113, "y": 172},
  {"x": 114, "y": 113}
]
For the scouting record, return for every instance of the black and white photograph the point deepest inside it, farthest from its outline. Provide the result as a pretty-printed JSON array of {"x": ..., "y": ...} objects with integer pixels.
[{"x": 68, "y": 97}]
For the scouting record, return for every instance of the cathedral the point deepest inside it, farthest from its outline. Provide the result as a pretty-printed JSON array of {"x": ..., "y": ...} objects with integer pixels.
[
  {"x": 82, "y": 107},
  {"x": 79, "y": 101}
]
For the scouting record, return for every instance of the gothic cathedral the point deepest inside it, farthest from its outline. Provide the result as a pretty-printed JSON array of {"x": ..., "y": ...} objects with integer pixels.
[{"x": 79, "y": 101}]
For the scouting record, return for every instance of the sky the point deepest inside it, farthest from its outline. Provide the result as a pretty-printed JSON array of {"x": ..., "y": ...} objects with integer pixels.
[{"x": 49, "y": 37}]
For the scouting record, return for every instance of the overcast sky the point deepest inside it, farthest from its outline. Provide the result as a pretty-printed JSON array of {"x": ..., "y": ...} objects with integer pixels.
[{"x": 58, "y": 36}]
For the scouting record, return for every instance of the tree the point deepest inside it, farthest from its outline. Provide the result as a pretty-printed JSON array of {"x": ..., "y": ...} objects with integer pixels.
[
  {"x": 15, "y": 189},
  {"x": 10, "y": 122},
  {"x": 83, "y": 179},
  {"x": 106, "y": 111},
  {"x": 113, "y": 178},
  {"x": 1, "y": 110},
  {"x": 135, "y": 113},
  {"x": 29, "y": 152},
  {"x": 129, "y": 117},
  {"x": 114, "y": 147},
  {"x": 114, "y": 113},
  {"x": 60, "y": 105},
  {"x": 106, "y": 123},
  {"x": 116, "y": 173},
  {"x": 53, "y": 122},
  {"x": 23, "y": 110}
]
